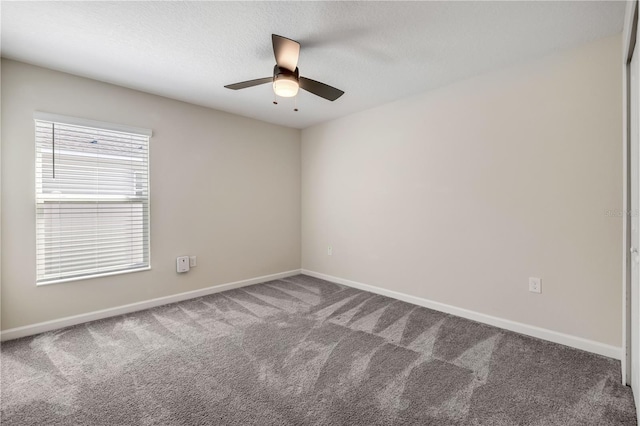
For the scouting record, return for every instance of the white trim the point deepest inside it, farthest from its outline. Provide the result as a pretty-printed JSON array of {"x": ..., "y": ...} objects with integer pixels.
[
  {"x": 529, "y": 330},
  {"x": 29, "y": 330},
  {"x": 627, "y": 33},
  {"x": 94, "y": 124},
  {"x": 626, "y": 240}
]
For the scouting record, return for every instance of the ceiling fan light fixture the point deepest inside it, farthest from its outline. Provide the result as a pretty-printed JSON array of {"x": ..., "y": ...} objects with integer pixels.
[{"x": 285, "y": 86}]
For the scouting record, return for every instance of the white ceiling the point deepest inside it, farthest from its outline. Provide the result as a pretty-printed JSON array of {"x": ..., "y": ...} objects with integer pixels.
[{"x": 375, "y": 51}]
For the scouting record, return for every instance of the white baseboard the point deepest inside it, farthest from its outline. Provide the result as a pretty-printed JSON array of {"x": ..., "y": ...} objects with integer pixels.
[
  {"x": 518, "y": 327},
  {"x": 529, "y": 330},
  {"x": 29, "y": 330}
]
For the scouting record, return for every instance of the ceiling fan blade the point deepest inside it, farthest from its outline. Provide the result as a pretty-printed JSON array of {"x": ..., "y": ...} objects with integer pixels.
[
  {"x": 320, "y": 89},
  {"x": 250, "y": 83},
  {"x": 286, "y": 52}
]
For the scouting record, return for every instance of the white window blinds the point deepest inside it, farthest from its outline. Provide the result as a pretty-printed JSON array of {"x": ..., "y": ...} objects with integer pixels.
[{"x": 92, "y": 199}]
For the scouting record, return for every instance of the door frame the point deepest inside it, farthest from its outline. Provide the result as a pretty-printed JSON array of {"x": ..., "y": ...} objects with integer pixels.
[{"x": 629, "y": 34}]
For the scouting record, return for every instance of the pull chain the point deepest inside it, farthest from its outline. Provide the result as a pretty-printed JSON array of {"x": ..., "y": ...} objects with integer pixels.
[
  {"x": 295, "y": 107},
  {"x": 275, "y": 102}
]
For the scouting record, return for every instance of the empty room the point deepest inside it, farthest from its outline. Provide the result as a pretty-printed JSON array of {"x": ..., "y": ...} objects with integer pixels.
[{"x": 319, "y": 213}]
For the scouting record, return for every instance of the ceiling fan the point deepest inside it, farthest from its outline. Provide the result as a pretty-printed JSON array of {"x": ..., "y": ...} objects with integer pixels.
[{"x": 286, "y": 77}]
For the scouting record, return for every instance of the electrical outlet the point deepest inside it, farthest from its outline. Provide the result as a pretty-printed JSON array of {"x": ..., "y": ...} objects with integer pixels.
[
  {"x": 329, "y": 251},
  {"x": 535, "y": 285},
  {"x": 193, "y": 261}
]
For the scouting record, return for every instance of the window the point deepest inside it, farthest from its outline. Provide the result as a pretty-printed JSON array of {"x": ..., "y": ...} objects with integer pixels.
[{"x": 92, "y": 198}]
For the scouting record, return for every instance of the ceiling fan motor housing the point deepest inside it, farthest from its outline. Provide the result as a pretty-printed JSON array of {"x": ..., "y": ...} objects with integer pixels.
[{"x": 281, "y": 72}]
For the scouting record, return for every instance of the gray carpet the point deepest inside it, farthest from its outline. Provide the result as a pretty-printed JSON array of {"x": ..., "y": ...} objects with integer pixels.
[{"x": 302, "y": 351}]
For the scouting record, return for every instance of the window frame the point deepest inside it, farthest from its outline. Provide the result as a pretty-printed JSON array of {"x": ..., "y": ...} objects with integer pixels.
[{"x": 98, "y": 125}]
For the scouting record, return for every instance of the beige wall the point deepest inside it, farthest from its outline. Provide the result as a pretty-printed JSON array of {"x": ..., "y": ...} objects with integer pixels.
[
  {"x": 460, "y": 194},
  {"x": 223, "y": 188}
]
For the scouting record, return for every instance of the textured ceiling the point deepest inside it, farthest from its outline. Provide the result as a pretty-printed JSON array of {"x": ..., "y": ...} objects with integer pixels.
[{"x": 375, "y": 51}]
